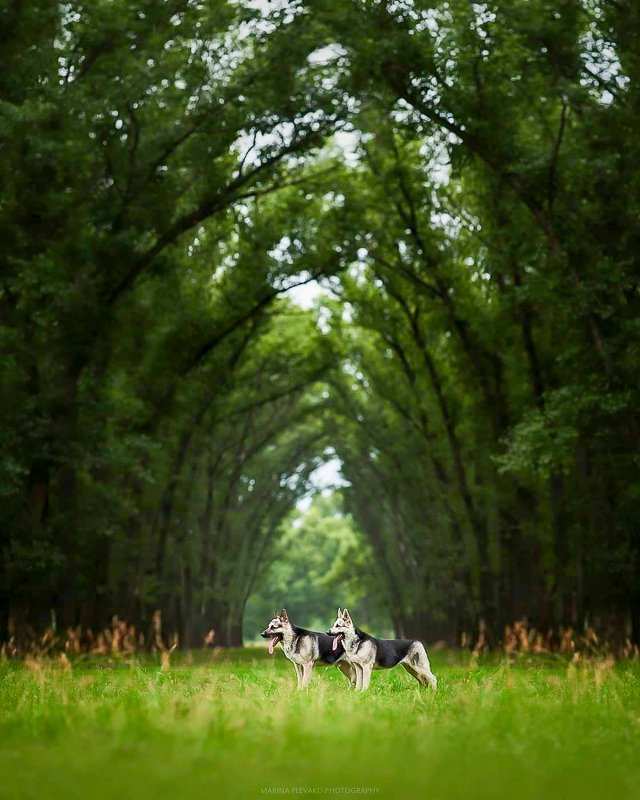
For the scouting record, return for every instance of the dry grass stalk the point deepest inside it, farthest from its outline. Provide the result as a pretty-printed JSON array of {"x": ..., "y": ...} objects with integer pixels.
[
  {"x": 521, "y": 639},
  {"x": 482, "y": 639},
  {"x": 165, "y": 657},
  {"x": 117, "y": 640}
]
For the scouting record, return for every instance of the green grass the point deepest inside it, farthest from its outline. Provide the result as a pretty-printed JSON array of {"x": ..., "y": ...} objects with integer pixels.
[{"x": 234, "y": 726}]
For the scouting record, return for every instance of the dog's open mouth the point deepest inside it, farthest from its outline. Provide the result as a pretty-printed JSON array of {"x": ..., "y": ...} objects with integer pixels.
[
  {"x": 273, "y": 642},
  {"x": 336, "y": 640}
]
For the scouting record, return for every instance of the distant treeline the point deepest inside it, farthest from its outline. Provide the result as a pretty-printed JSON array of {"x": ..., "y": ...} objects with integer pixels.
[{"x": 170, "y": 171}]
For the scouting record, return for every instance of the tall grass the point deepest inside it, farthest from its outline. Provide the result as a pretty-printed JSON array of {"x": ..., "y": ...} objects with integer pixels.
[{"x": 232, "y": 725}]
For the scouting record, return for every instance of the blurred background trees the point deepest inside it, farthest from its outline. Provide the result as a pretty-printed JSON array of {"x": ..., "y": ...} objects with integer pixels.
[{"x": 459, "y": 184}]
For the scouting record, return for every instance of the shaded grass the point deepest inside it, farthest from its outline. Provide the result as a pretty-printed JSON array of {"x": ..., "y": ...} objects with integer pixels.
[{"x": 234, "y": 726}]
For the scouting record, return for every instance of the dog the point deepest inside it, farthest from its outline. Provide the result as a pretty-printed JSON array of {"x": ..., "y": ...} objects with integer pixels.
[
  {"x": 367, "y": 653},
  {"x": 306, "y": 648}
]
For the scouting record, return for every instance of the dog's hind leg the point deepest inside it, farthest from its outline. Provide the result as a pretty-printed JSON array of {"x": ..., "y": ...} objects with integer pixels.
[
  {"x": 414, "y": 673},
  {"x": 428, "y": 678},
  {"x": 417, "y": 664},
  {"x": 358, "y": 670},
  {"x": 349, "y": 670}
]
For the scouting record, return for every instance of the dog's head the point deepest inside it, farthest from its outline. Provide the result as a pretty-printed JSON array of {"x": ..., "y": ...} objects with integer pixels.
[
  {"x": 276, "y": 629},
  {"x": 340, "y": 627}
]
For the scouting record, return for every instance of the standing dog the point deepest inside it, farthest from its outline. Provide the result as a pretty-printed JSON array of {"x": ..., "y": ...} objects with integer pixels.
[
  {"x": 306, "y": 648},
  {"x": 367, "y": 653}
]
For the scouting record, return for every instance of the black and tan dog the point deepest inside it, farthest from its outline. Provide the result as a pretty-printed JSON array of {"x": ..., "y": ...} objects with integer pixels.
[
  {"x": 367, "y": 653},
  {"x": 306, "y": 648}
]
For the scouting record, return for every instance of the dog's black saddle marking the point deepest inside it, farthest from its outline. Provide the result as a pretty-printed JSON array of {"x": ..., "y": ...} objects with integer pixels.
[
  {"x": 389, "y": 652},
  {"x": 327, "y": 654},
  {"x": 325, "y": 645}
]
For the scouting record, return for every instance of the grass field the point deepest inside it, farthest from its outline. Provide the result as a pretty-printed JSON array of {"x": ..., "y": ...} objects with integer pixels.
[{"x": 233, "y": 725}]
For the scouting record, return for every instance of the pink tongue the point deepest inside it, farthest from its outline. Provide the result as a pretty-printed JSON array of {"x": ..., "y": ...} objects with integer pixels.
[
  {"x": 336, "y": 641},
  {"x": 273, "y": 641}
]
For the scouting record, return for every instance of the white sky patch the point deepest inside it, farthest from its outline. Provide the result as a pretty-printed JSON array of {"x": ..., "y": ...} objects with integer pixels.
[
  {"x": 324, "y": 320},
  {"x": 306, "y": 296},
  {"x": 310, "y": 295},
  {"x": 347, "y": 141},
  {"x": 435, "y": 151},
  {"x": 326, "y": 478},
  {"x": 600, "y": 60},
  {"x": 347, "y": 312},
  {"x": 327, "y": 55}
]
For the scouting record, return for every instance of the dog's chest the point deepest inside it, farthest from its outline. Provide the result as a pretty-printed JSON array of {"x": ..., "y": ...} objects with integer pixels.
[
  {"x": 297, "y": 651},
  {"x": 358, "y": 651}
]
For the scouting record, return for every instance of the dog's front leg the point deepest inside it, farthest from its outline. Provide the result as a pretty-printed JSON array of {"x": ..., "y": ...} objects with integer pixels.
[
  {"x": 307, "y": 669},
  {"x": 367, "y": 669},
  {"x": 298, "y": 674}
]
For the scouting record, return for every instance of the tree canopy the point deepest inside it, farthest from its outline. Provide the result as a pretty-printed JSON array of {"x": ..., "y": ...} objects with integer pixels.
[{"x": 460, "y": 180}]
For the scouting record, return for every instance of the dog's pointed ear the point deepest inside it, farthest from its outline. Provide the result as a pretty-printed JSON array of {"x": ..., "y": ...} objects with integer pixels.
[
  {"x": 339, "y": 612},
  {"x": 345, "y": 616},
  {"x": 284, "y": 616},
  {"x": 275, "y": 613}
]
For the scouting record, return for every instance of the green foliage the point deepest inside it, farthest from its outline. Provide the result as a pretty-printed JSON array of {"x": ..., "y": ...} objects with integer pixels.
[
  {"x": 170, "y": 171},
  {"x": 318, "y": 562},
  {"x": 544, "y": 442}
]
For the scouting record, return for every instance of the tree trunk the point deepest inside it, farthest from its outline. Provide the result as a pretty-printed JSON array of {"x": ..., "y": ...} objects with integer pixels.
[{"x": 561, "y": 549}]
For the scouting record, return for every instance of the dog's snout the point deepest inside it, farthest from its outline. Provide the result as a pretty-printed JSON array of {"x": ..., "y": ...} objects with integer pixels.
[{"x": 328, "y": 632}]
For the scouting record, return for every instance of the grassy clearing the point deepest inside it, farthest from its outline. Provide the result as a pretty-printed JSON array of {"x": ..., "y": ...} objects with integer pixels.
[{"x": 234, "y": 726}]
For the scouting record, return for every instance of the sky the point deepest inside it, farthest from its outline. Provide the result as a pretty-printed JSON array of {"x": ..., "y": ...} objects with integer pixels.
[
  {"x": 328, "y": 475},
  {"x": 306, "y": 295}
]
